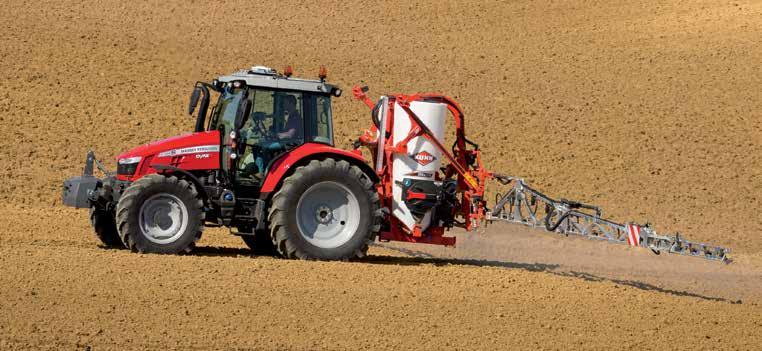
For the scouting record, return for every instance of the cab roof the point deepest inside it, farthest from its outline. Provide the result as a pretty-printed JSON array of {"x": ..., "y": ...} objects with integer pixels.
[{"x": 260, "y": 76}]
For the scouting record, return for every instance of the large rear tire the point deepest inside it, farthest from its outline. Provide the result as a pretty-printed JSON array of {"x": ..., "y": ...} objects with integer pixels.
[
  {"x": 326, "y": 210},
  {"x": 160, "y": 214},
  {"x": 104, "y": 225}
]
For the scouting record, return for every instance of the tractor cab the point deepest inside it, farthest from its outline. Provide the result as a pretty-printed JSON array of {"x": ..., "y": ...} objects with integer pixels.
[{"x": 261, "y": 115}]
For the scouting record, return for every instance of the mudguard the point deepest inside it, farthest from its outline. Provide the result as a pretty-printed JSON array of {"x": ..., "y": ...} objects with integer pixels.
[{"x": 285, "y": 165}]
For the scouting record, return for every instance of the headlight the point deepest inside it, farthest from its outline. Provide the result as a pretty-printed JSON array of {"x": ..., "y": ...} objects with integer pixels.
[
  {"x": 129, "y": 160},
  {"x": 128, "y": 166}
]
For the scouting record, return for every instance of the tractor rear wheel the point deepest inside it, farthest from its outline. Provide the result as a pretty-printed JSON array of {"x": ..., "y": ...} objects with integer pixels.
[
  {"x": 327, "y": 210},
  {"x": 160, "y": 214},
  {"x": 104, "y": 224}
]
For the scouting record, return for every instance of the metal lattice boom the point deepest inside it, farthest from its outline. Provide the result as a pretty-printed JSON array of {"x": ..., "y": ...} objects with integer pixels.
[{"x": 525, "y": 205}]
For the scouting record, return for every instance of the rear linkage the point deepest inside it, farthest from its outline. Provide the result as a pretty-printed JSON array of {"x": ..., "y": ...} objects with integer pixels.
[{"x": 525, "y": 205}]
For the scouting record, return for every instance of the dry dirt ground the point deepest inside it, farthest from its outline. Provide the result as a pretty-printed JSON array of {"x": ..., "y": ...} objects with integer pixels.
[{"x": 651, "y": 109}]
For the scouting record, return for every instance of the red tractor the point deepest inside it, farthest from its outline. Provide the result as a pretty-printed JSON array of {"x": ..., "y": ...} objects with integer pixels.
[{"x": 264, "y": 163}]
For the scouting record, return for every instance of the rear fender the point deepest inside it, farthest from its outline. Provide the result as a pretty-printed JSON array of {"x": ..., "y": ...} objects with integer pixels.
[{"x": 286, "y": 165}]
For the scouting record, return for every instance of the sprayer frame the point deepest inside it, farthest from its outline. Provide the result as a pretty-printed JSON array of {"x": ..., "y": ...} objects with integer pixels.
[{"x": 464, "y": 163}]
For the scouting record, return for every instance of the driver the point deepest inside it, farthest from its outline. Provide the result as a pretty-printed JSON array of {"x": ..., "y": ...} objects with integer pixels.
[
  {"x": 292, "y": 118},
  {"x": 254, "y": 165}
]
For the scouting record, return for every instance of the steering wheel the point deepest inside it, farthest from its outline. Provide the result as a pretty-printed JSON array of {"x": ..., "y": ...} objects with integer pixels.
[{"x": 260, "y": 128}]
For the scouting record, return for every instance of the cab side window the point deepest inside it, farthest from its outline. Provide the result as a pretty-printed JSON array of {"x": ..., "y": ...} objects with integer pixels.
[{"x": 321, "y": 130}]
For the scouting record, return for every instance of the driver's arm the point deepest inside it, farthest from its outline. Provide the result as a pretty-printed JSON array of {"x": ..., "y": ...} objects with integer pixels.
[
  {"x": 290, "y": 131},
  {"x": 287, "y": 134}
]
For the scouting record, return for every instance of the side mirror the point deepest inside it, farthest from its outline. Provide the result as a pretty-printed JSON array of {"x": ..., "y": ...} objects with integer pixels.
[
  {"x": 244, "y": 110},
  {"x": 195, "y": 95}
]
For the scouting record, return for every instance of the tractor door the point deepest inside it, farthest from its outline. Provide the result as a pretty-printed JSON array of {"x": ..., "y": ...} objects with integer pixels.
[
  {"x": 275, "y": 125},
  {"x": 223, "y": 120}
]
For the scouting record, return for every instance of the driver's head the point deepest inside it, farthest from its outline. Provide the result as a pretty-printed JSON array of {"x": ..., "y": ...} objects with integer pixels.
[{"x": 289, "y": 103}]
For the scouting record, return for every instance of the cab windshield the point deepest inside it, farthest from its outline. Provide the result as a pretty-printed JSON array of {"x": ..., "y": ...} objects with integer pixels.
[{"x": 223, "y": 115}]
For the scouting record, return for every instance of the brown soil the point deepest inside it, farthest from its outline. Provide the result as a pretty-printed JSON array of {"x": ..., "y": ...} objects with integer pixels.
[{"x": 651, "y": 110}]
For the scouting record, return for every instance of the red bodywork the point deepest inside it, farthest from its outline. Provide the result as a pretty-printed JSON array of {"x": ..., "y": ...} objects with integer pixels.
[
  {"x": 192, "y": 152},
  {"x": 465, "y": 164},
  {"x": 196, "y": 151}
]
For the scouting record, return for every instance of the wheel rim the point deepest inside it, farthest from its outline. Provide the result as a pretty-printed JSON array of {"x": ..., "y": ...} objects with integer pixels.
[
  {"x": 328, "y": 214},
  {"x": 163, "y": 218}
]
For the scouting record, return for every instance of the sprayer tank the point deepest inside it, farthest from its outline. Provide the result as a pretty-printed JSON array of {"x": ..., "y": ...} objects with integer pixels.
[{"x": 422, "y": 160}]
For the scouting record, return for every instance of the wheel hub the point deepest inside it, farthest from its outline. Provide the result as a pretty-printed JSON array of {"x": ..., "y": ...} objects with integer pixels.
[
  {"x": 324, "y": 214},
  {"x": 162, "y": 220}
]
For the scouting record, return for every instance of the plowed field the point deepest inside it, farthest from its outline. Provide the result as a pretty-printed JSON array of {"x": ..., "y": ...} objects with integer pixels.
[{"x": 650, "y": 109}]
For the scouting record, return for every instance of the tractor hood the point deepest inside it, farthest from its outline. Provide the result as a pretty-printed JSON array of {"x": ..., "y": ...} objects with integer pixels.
[
  {"x": 193, "y": 151},
  {"x": 176, "y": 142}
]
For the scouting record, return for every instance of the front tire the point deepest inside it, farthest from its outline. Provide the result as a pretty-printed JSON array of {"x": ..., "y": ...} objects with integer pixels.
[
  {"x": 160, "y": 214},
  {"x": 104, "y": 225},
  {"x": 326, "y": 210},
  {"x": 259, "y": 243}
]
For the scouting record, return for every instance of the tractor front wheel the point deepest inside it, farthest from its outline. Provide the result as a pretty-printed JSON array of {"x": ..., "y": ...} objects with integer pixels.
[
  {"x": 104, "y": 225},
  {"x": 160, "y": 214},
  {"x": 327, "y": 210},
  {"x": 259, "y": 242}
]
